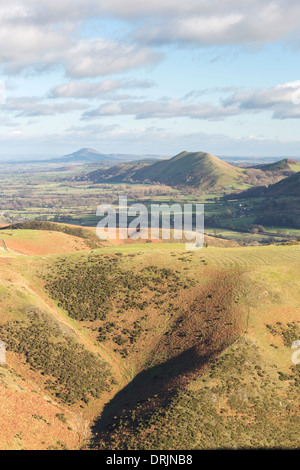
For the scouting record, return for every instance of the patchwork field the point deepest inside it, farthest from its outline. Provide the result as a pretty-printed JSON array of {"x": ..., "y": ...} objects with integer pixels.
[{"x": 147, "y": 346}]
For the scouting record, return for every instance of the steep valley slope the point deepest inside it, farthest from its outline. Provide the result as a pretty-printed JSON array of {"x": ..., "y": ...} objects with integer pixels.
[{"x": 150, "y": 347}]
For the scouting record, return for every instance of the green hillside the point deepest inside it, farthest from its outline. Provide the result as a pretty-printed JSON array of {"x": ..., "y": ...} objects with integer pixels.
[
  {"x": 117, "y": 174},
  {"x": 199, "y": 170},
  {"x": 280, "y": 204},
  {"x": 285, "y": 164},
  {"x": 288, "y": 187},
  {"x": 229, "y": 385},
  {"x": 194, "y": 169},
  {"x": 150, "y": 347}
]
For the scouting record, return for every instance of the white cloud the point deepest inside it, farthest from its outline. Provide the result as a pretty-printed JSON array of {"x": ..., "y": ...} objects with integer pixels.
[
  {"x": 161, "y": 109},
  {"x": 28, "y": 46},
  {"x": 25, "y": 44},
  {"x": 68, "y": 10},
  {"x": 39, "y": 34},
  {"x": 32, "y": 106},
  {"x": 97, "y": 89},
  {"x": 225, "y": 23},
  {"x": 195, "y": 29},
  {"x": 95, "y": 57},
  {"x": 282, "y": 99}
]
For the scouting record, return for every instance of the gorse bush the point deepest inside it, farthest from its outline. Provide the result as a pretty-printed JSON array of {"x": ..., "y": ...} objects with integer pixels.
[
  {"x": 290, "y": 332},
  {"x": 89, "y": 288},
  {"x": 237, "y": 404},
  {"x": 72, "y": 373}
]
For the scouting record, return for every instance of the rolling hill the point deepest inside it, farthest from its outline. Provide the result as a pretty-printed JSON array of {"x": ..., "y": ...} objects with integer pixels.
[
  {"x": 276, "y": 205},
  {"x": 149, "y": 346},
  {"x": 280, "y": 204},
  {"x": 121, "y": 173},
  {"x": 87, "y": 155},
  {"x": 197, "y": 169},
  {"x": 192, "y": 169},
  {"x": 288, "y": 164},
  {"x": 83, "y": 156},
  {"x": 288, "y": 187}
]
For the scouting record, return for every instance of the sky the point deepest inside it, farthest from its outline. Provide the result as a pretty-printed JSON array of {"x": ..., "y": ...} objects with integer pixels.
[{"x": 149, "y": 78}]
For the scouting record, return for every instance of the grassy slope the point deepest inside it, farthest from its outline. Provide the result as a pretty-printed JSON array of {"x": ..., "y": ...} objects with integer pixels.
[
  {"x": 191, "y": 169},
  {"x": 287, "y": 187},
  {"x": 241, "y": 399},
  {"x": 35, "y": 416},
  {"x": 118, "y": 173},
  {"x": 285, "y": 164},
  {"x": 199, "y": 170},
  {"x": 170, "y": 350}
]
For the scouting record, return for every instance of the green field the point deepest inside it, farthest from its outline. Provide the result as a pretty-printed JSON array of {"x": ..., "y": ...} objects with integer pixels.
[{"x": 59, "y": 197}]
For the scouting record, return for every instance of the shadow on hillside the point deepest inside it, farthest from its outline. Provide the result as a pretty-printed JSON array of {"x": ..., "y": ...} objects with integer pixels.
[{"x": 158, "y": 383}]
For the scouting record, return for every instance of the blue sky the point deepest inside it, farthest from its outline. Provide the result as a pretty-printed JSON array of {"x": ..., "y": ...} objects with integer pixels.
[{"x": 160, "y": 77}]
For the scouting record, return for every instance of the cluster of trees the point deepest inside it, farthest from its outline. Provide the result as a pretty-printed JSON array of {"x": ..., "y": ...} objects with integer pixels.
[{"x": 282, "y": 212}]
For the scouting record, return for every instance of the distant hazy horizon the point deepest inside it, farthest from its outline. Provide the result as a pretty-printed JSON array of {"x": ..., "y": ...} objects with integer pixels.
[
  {"x": 149, "y": 78},
  {"x": 229, "y": 158}
]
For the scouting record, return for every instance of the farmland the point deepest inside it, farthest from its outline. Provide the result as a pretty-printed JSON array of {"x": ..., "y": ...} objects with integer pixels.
[{"x": 59, "y": 196}]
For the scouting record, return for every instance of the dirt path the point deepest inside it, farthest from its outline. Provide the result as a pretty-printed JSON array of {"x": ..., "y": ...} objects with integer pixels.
[{"x": 4, "y": 244}]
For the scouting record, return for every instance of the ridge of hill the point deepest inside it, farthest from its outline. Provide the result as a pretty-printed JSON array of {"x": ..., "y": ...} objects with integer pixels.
[
  {"x": 287, "y": 187},
  {"x": 195, "y": 169},
  {"x": 52, "y": 227},
  {"x": 194, "y": 348},
  {"x": 123, "y": 172},
  {"x": 199, "y": 170},
  {"x": 87, "y": 155},
  {"x": 289, "y": 164},
  {"x": 45, "y": 238}
]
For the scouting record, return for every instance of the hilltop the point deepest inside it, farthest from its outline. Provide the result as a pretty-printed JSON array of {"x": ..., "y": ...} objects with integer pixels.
[
  {"x": 199, "y": 170},
  {"x": 288, "y": 164},
  {"x": 87, "y": 155},
  {"x": 45, "y": 238},
  {"x": 194, "y": 169}
]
